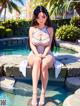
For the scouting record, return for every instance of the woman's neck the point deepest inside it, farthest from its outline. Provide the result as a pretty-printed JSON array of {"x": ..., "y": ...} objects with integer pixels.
[{"x": 41, "y": 26}]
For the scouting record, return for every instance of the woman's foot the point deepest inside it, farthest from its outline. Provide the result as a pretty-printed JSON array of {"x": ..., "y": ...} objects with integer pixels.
[
  {"x": 34, "y": 99},
  {"x": 33, "y": 103},
  {"x": 42, "y": 99}
]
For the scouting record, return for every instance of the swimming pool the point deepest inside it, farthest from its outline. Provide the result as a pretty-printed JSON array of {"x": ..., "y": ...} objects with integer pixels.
[
  {"x": 25, "y": 51},
  {"x": 56, "y": 93}
]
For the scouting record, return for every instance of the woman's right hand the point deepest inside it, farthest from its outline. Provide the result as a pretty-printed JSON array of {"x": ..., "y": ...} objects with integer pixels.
[{"x": 39, "y": 55}]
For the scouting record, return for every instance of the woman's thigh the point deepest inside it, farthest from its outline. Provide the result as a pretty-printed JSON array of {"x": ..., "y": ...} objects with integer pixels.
[
  {"x": 33, "y": 59},
  {"x": 48, "y": 61},
  {"x": 30, "y": 60}
]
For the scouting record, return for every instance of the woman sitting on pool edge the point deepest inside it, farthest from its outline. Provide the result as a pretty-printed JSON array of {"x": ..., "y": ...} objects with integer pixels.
[{"x": 40, "y": 58}]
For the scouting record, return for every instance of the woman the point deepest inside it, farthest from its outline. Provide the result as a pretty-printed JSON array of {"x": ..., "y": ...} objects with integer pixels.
[{"x": 40, "y": 57}]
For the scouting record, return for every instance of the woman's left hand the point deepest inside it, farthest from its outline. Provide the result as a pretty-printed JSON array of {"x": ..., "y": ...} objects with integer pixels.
[{"x": 43, "y": 56}]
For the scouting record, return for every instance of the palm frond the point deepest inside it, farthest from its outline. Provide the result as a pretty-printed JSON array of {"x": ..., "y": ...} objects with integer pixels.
[
  {"x": 14, "y": 6},
  {"x": 9, "y": 7},
  {"x": 20, "y": 1}
]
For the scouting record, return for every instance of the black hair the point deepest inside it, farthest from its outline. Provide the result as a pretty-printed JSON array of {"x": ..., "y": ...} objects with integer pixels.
[{"x": 36, "y": 11}]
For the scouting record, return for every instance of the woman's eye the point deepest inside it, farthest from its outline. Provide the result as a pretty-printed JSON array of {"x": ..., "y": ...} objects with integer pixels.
[
  {"x": 40, "y": 18},
  {"x": 43, "y": 17}
]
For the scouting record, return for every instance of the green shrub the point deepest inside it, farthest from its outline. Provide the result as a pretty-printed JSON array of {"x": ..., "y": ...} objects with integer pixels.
[
  {"x": 60, "y": 22},
  {"x": 75, "y": 21},
  {"x": 2, "y": 31},
  {"x": 8, "y": 33},
  {"x": 68, "y": 33},
  {"x": 20, "y": 27}
]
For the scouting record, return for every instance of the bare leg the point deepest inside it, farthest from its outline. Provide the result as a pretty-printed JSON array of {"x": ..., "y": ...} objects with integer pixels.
[
  {"x": 35, "y": 77},
  {"x": 44, "y": 80},
  {"x": 46, "y": 63}
]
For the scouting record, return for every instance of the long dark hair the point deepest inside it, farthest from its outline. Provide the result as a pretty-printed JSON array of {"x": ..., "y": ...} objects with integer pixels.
[{"x": 36, "y": 11}]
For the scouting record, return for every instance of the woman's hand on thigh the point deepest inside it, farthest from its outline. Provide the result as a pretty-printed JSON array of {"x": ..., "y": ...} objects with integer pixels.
[
  {"x": 39, "y": 55},
  {"x": 43, "y": 56}
]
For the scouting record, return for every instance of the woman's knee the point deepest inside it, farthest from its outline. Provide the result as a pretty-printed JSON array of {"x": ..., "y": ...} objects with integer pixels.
[
  {"x": 44, "y": 65},
  {"x": 37, "y": 59}
]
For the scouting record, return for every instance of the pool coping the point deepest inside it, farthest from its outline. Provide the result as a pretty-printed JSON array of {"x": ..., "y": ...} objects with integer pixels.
[{"x": 70, "y": 45}]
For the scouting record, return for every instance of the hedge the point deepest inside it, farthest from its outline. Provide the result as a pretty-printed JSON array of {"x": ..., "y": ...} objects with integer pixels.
[
  {"x": 75, "y": 21},
  {"x": 68, "y": 33},
  {"x": 2, "y": 31}
]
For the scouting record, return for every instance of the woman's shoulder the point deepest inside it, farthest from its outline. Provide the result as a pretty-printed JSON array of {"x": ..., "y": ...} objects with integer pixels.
[
  {"x": 32, "y": 27},
  {"x": 50, "y": 29}
]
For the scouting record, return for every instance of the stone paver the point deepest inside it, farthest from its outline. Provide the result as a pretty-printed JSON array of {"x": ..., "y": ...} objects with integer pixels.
[
  {"x": 72, "y": 100},
  {"x": 73, "y": 83},
  {"x": 7, "y": 83}
]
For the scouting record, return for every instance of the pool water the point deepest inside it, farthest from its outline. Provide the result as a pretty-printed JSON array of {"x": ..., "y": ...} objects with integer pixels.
[
  {"x": 13, "y": 51},
  {"x": 25, "y": 51},
  {"x": 56, "y": 93}
]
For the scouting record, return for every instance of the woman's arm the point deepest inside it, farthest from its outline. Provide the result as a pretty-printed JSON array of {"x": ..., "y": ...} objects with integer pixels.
[
  {"x": 47, "y": 49},
  {"x": 33, "y": 47}
]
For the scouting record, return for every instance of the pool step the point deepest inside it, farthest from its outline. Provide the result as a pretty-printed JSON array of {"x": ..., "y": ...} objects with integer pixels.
[{"x": 7, "y": 83}]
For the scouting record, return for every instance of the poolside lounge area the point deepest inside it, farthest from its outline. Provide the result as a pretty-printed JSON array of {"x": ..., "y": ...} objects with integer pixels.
[
  {"x": 9, "y": 67},
  {"x": 71, "y": 62}
]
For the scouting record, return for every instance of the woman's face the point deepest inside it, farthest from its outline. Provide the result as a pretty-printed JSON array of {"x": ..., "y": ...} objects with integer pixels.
[{"x": 41, "y": 19}]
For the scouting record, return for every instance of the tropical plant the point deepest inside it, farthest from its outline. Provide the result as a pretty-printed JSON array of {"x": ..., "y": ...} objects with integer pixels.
[
  {"x": 75, "y": 21},
  {"x": 4, "y": 4},
  {"x": 34, "y": 3},
  {"x": 68, "y": 33},
  {"x": 75, "y": 4},
  {"x": 57, "y": 7},
  {"x": 60, "y": 7}
]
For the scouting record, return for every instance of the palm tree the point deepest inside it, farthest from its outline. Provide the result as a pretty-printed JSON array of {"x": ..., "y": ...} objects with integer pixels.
[
  {"x": 4, "y": 4},
  {"x": 75, "y": 4},
  {"x": 56, "y": 7},
  {"x": 35, "y": 3},
  {"x": 31, "y": 5}
]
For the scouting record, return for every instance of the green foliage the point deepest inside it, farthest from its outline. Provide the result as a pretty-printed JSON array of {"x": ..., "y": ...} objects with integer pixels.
[
  {"x": 8, "y": 32},
  {"x": 57, "y": 7},
  {"x": 60, "y": 22},
  {"x": 75, "y": 21},
  {"x": 68, "y": 33},
  {"x": 2, "y": 31},
  {"x": 20, "y": 27},
  {"x": 10, "y": 4}
]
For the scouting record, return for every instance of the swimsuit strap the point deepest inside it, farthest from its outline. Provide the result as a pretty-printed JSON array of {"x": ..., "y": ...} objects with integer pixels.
[{"x": 47, "y": 30}]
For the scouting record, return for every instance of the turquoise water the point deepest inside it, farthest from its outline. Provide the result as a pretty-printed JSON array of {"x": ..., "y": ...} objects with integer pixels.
[
  {"x": 12, "y": 51},
  {"x": 25, "y": 51},
  {"x": 22, "y": 94}
]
